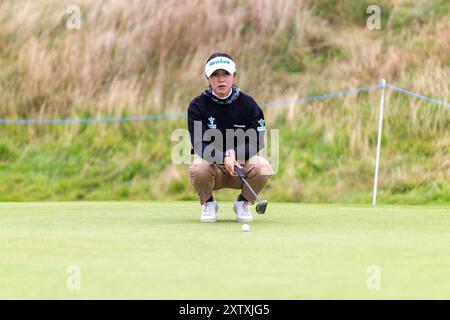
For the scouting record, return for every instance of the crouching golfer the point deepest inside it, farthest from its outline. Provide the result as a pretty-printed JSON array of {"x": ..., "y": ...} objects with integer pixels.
[{"x": 226, "y": 128}]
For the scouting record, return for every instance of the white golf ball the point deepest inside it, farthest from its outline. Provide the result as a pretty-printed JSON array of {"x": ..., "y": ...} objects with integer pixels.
[{"x": 245, "y": 227}]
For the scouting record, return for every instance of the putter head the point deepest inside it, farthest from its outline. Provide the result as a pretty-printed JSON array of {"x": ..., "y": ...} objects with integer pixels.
[{"x": 261, "y": 206}]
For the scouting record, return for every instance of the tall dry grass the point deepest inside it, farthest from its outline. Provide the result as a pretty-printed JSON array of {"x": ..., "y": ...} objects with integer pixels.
[{"x": 147, "y": 57}]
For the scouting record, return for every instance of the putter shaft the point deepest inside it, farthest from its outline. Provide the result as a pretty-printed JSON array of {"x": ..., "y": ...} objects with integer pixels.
[{"x": 241, "y": 175}]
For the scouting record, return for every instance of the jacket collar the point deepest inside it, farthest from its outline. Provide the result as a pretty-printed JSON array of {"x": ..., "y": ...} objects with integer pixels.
[{"x": 230, "y": 99}]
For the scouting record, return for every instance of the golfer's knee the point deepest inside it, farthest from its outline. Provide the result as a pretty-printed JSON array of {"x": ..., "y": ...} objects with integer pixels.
[
  {"x": 199, "y": 169},
  {"x": 261, "y": 166}
]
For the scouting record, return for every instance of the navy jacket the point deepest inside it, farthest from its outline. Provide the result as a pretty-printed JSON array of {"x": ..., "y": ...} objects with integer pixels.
[{"x": 242, "y": 116}]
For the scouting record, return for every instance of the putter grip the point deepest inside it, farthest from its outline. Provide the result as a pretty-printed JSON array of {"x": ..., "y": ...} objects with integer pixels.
[{"x": 239, "y": 172}]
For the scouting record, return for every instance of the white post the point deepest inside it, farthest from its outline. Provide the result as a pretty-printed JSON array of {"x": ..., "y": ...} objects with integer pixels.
[{"x": 380, "y": 128}]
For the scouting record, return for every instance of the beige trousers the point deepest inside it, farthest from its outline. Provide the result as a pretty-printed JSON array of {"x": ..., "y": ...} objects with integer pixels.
[{"x": 206, "y": 177}]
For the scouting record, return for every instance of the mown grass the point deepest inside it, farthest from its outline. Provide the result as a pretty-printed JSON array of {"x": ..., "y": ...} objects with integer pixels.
[
  {"x": 159, "y": 250},
  {"x": 139, "y": 58}
]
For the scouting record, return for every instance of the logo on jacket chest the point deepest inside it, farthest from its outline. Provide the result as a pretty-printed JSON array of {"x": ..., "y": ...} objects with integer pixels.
[
  {"x": 211, "y": 123},
  {"x": 262, "y": 125}
]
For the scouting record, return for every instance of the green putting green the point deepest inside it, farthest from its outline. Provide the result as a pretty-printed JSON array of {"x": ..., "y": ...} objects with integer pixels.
[{"x": 159, "y": 250}]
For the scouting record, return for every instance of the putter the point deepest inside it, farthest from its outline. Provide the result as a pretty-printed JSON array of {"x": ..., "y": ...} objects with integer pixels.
[{"x": 262, "y": 204}]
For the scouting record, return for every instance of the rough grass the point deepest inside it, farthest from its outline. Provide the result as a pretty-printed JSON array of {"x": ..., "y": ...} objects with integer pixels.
[
  {"x": 159, "y": 250},
  {"x": 146, "y": 57}
]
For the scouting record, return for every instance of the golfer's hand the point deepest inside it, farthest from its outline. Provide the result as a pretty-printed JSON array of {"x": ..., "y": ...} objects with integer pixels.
[{"x": 229, "y": 163}]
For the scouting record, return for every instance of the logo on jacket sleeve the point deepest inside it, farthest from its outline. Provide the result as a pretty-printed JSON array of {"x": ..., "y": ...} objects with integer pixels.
[
  {"x": 262, "y": 125},
  {"x": 211, "y": 123}
]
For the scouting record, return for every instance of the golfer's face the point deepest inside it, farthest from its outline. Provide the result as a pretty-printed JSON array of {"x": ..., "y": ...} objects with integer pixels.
[{"x": 221, "y": 82}]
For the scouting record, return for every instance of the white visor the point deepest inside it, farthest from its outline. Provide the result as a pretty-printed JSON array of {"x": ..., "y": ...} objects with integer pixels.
[{"x": 220, "y": 63}]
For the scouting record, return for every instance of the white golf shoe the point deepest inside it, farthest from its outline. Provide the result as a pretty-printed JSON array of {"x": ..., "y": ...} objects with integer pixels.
[
  {"x": 243, "y": 213},
  {"x": 209, "y": 212}
]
